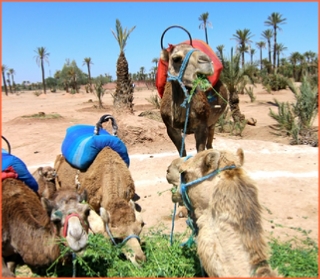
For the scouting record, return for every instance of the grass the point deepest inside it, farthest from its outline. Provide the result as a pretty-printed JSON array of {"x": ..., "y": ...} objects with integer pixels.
[
  {"x": 42, "y": 115},
  {"x": 297, "y": 257}
]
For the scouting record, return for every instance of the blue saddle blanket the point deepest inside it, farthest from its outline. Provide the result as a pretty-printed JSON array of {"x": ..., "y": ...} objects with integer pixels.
[
  {"x": 14, "y": 164},
  {"x": 81, "y": 146}
]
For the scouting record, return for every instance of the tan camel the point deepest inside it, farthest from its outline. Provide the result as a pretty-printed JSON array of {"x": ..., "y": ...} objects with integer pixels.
[
  {"x": 227, "y": 212},
  {"x": 45, "y": 177},
  {"x": 111, "y": 190},
  {"x": 32, "y": 228},
  {"x": 205, "y": 107}
]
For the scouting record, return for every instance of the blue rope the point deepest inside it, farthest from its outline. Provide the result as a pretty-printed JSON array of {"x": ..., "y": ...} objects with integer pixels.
[
  {"x": 123, "y": 241},
  {"x": 184, "y": 186},
  {"x": 179, "y": 79}
]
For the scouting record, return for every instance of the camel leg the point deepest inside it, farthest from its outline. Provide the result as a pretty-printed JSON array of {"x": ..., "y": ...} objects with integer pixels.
[
  {"x": 6, "y": 271},
  {"x": 176, "y": 138},
  {"x": 210, "y": 137},
  {"x": 201, "y": 135}
]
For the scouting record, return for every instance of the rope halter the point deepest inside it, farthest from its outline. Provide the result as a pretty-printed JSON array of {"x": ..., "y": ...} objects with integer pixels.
[{"x": 181, "y": 73}]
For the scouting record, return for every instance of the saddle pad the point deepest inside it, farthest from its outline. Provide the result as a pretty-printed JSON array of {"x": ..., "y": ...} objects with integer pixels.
[
  {"x": 162, "y": 72},
  {"x": 13, "y": 167},
  {"x": 81, "y": 146}
]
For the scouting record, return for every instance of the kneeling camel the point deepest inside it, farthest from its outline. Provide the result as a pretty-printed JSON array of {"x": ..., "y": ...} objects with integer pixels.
[
  {"x": 223, "y": 203},
  {"x": 32, "y": 228}
]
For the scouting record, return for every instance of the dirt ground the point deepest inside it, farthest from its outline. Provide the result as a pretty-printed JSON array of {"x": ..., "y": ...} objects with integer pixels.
[{"x": 286, "y": 175}]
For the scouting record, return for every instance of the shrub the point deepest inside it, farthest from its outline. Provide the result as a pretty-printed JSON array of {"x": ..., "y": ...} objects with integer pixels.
[
  {"x": 274, "y": 82},
  {"x": 154, "y": 100}
]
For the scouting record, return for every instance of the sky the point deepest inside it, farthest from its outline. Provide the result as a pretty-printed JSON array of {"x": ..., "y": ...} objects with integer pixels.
[{"x": 76, "y": 30}]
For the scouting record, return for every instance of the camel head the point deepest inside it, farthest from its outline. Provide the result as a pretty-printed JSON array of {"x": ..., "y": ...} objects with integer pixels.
[
  {"x": 124, "y": 221},
  {"x": 199, "y": 63},
  {"x": 69, "y": 213},
  {"x": 47, "y": 173},
  {"x": 200, "y": 165}
]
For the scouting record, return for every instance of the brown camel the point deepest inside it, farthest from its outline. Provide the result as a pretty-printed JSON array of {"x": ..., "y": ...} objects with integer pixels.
[
  {"x": 45, "y": 177},
  {"x": 32, "y": 228},
  {"x": 205, "y": 106},
  {"x": 226, "y": 211},
  {"x": 111, "y": 191}
]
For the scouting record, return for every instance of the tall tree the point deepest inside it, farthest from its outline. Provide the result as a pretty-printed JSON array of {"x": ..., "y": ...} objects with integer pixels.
[
  {"x": 205, "y": 23},
  {"x": 274, "y": 20},
  {"x": 261, "y": 45},
  {"x": 123, "y": 97},
  {"x": 232, "y": 75},
  {"x": 220, "y": 50},
  {"x": 87, "y": 61},
  {"x": 243, "y": 40},
  {"x": 8, "y": 80},
  {"x": 295, "y": 58},
  {"x": 155, "y": 60},
  {"x": 12, "y": 73},
  {"x": 279, "y": 49},
  {"x": 268, "y": 34},
  {"x": 252, "y": 52},
  {"x": 4, "y": 68},
  {"x": 42, "y": 55}
]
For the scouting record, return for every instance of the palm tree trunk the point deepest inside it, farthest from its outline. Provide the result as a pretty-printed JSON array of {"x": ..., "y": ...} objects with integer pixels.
[
  {"x": 123, "y": 97},
  {"x": 260, "y": 59},
  {"x": 4, "y": 83},
  {"x": 205, "y": 30},
  {"x": 43, "y": 79},
  {"x": 275, "y": 48}
]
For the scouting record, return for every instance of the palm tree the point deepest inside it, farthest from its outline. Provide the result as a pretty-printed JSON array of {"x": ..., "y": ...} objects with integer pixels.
[
  {"x": 232, "y": 75},
  {"x": 220, "y": 50},
  {"x": 279, "y": 49},
  {"x": 274, "y": 20},
  {"x": 205, "y": 23},
  {"x": 87, "y": 61},
  {"x": 252, "y": 52},
  {"x": 243, "y": 39},
  {"x": 4, "y": 68},
  {"x": 294, "y": 58},
  {"x": 261, "y": 45},
  {"x": 8, "y": 80},
  {"x": 155, "y": 60},
  {"x": 268, "y": 34},
  {"x": 42, "y": 55},
  {"x": 12, "y": 73},
  {"x": 123, "y": 96}
]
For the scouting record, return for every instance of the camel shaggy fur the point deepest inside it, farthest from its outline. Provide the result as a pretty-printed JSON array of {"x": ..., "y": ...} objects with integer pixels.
[
  {"x": 227, "y": 212},
  {"x": 32, "y": 228},
  {"x": 111, "y": 192},
  {"x": 205, "y": 107},
  {"x": 45, "y": 177}
]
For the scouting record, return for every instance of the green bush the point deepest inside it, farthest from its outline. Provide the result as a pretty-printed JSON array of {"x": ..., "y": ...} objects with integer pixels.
[{"x": 274, "y": 82}]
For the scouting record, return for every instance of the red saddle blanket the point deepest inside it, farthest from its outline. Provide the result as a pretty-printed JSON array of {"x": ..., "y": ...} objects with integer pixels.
[{"x": 161, "y": 77}]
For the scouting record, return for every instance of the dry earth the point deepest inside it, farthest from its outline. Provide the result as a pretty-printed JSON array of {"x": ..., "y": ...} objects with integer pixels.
[{"x": 286, "y": 175}]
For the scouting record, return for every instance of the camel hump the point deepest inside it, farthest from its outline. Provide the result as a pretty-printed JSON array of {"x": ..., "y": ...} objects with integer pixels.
[
  {"x": 81, "y": 146},
  {"x": 14, "y": 167}
]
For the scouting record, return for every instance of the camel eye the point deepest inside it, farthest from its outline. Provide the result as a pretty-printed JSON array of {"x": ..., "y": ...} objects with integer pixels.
[{"x": 177, "y": 59}]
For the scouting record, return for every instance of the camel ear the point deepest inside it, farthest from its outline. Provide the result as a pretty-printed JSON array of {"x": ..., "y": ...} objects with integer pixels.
[
  {"x": 240, "y": 154},
  {"x": 40, "y": 171},
  {"x": 164, "y": 55},
  {"x": 211, "y": 160}
]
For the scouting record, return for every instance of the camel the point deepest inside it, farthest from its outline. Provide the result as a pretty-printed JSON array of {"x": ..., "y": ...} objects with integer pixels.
[
  {"x": 205, "y": 106},
  {"x": 33, "y": 228},
  {"x": 111, "y": 192},
  {"x": 224, "y": 206},
  {"x": 45, "y": 177}
]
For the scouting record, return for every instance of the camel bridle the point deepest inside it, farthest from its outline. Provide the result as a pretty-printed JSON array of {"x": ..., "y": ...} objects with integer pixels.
[
  {"x": 65, "y": 226},
  {"x": 180, "y": 75}
]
